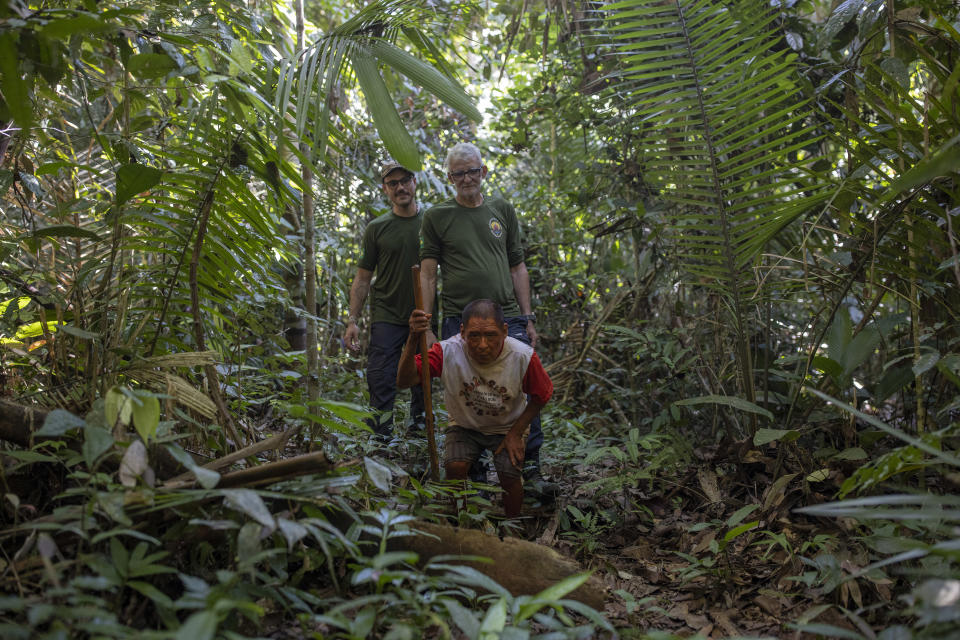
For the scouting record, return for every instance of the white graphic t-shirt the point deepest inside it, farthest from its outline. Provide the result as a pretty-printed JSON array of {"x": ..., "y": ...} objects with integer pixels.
[{"x": 488, "y": 398}]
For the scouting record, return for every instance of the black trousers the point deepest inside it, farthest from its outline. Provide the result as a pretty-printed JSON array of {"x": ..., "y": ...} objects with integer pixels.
[{"x": 386, "y": 345}]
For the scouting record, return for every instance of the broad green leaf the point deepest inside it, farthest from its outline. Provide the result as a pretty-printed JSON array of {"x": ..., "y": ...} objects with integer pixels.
[
  {"x": 893, "y": 379},
  {"x": 896, "y": 68},
  {"x": 207, "y": 478},
  {"x": 949, "y": 366},
  {"x": 12, "y": 83},
  {"x": 925, "y": 362},
  {"x": 740, "y": 514},
  {"x": 897, "y": 433},
  {"x": 292, "y": 531},
  {"x": 426, "y": 76},
  {"x": 470, "y": 576},
  {"x": 78, "y": 332},
  {"x": 495, "y": 620},
  {"x": 63, "y": 28},
  {"x": 389, "y": 558},
  {"x": 730, "y": 401},
  {"x": 463, "y": 618},
  {"x": 738, "y": 531},
  {"x": 248, "y": 544},
  {"x": 394, "y": 135},
  {"x": 839, "y": 17},
  {"x": 551, "y": 595},
  {"x": 58, "y": 422},
  {"x": 828, "y": 365},
  {"x": 819, "y": 475},
  {"x": 157, "y": 596},
  {"x": 766, "y": 436},
  {"x": 146, "y": 416},
  {"x": 589, "y": 613},
  {"x": 859, "y": 349},
  {"x": 34, "y": 329},
  {"x": 96, "y": 442},
  {"x": 249, "y": 502},
  {"x": 944, "y": 162},
  {"x": 839, "y": 336},
  {"x": 135, "y": 178},
  {"x": 852, "y": 453},
  {"x": 65, "y": 231},
  {"x": 202, "y": 625},
  {"x": 379, "y": 474},
  {"x": 29, "y": 456},
  {"x": 150, "y": 65},
  {"x": 117, "y": 406}
]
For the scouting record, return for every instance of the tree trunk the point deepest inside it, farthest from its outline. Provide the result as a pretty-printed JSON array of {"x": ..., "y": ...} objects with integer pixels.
[{"x": 521, "y": 567}]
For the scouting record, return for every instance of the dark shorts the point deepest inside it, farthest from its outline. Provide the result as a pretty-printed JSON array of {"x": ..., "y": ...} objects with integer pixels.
[{"x": 466, "y": 445}]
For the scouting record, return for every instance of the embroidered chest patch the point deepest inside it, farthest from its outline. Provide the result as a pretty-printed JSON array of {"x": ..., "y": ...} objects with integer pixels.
[
  {"x": 495, "y": 227},
  {"x": 485, "y": 397}
]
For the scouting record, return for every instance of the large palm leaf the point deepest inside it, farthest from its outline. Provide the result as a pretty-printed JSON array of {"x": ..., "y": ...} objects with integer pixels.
[
  {"x": 721, "y": 124},
  {"x": 308, "y": 78}
]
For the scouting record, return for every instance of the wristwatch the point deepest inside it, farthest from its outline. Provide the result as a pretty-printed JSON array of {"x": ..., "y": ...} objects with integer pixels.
[{"x": 530, "y": 317}]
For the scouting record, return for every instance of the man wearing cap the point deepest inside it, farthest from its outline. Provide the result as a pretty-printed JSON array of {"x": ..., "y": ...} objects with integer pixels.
[
  {"x": 475, "y": 239},
  {"x": 390, "y": 248}
]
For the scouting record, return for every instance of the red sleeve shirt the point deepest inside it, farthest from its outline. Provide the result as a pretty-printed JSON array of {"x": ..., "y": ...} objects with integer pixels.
[
  {"x": 435, "y": 355},
  {"x": 536, "y": 382}
]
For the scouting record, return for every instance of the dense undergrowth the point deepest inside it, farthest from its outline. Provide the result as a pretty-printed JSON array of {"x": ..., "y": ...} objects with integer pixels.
[{"x": 730, "y": 538}]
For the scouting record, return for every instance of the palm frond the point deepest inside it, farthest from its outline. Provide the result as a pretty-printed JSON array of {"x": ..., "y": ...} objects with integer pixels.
[
  {"x": 719, "y": 119},
  {"x": 308, "y": 78}
]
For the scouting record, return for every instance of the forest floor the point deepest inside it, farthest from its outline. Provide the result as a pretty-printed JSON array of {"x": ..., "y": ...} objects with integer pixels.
[{"x": 698, "y": 549}]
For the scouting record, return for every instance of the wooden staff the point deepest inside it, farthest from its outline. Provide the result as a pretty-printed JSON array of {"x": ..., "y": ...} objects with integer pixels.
[{"x": 425, "y": 381}]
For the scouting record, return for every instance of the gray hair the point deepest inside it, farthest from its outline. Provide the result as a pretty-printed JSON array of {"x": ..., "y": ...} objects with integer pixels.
[{"x": 462, "y": 151}]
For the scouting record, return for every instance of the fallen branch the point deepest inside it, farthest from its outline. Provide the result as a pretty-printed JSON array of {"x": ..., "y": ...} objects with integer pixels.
[
  {"x": 276, "y": 442},
  {"x": 18, "y": 422},
  {"x": 269, "y": 472}
]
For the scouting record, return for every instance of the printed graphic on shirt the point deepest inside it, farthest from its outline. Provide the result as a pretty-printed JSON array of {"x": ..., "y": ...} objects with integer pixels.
[
  {"x": 495, "y": 227},
  {"x": 485, "y": 397}
]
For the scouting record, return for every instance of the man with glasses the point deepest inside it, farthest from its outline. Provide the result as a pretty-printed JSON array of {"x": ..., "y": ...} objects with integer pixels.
[
  {"x": 475, "y": 240},
  {"x": 390, "y": 248}
]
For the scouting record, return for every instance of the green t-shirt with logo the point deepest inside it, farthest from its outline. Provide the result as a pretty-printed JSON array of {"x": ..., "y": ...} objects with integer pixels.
[
  {"x": 390, "y": 246},
  {"x": 475, "y": 248}
]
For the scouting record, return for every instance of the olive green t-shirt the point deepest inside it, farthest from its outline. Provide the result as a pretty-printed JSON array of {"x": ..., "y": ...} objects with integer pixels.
[
  {"x": 475, "y": 248},
  {"x": 390, "y": 246}
]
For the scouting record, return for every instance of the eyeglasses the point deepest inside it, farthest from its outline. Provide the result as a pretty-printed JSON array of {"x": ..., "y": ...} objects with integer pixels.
[
  {"x": 393, "y": 183},
  {"x": 458, "y": 175}
]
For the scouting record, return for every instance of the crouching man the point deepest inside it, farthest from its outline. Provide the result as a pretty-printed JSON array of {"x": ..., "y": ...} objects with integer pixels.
[{"x": 486, "y": 375}]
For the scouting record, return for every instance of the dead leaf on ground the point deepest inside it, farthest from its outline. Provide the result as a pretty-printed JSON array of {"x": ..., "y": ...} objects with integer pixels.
[
  {"x": 722, "y": 618},
  {"x": 770, "y": 605},
  {"x": 708, "y": 482}
]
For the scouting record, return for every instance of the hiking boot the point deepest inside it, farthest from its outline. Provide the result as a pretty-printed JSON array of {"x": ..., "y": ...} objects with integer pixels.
[{"x": 537, "y": 487}]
